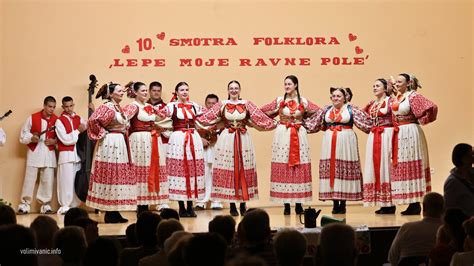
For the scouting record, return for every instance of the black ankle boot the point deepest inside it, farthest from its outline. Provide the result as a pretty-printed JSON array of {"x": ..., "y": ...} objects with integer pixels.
[
  {"x": 190, "y": 209},
  {"x": 114, "y": 217},
  {"x": 243, "y": 208},
  {"x": 342, "y": 207},
  {"x": 233, "y": 209},
  {"x": 299, "y": 208},
  {"x": 287, "y": 209},
  {"x": 413, "y": 209},
  {"x": 182, "y": 210},
  {"x": 141, "y": 208},
  {"x": 335, "y": 206}
]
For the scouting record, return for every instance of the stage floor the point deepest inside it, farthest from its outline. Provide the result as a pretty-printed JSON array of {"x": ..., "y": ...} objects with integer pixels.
[{"x": 356, "y": 215}]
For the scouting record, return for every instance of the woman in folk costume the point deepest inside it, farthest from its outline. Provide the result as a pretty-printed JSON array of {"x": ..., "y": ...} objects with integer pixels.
[
  {"x": 148, "y": 156},
  {"x": 184, "y": 154},
  {"x": 291, "y": 180},
  {"x": 112, "y": 183},
  {"x": 377, "y": 182},
  {"x": 410, "y": 172},
  {"x": 339, "y": 168},
  {"x": 234, "y": 177}
]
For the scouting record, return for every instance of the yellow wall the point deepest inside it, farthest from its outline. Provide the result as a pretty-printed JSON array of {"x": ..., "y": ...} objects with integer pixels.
[{"x": 50, "y": 47}]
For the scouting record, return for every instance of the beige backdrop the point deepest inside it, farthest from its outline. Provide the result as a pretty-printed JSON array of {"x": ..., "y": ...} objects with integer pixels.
[{"x": 50, "y": 48}]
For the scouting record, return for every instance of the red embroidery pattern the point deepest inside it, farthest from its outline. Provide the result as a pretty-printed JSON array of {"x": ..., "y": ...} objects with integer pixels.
[
  {"x": 259, "y": 118},
  {"x": 423, "y": 109},
  {"x": 107, "y": 202},
  {"x": 210, "y": 116},
  {"x": 175, "y": 167},
  {"x": 142, "y": 173},
  {"x": 271, "y": 109},
  {"x": 340, "y": 195},
  {"x": 292, "y": 195},
  {"x": 406, "y": 171},
  {"x": 299, "y": 174},
  {"x": 382, "y": 196},
  {"x": 112, "y": 174},
  {"x": 102, "y": 116},
  {"x": 345, "y": 170},
  {"x": 222, "y": 178},
  {"x": 361, "y": 120}
]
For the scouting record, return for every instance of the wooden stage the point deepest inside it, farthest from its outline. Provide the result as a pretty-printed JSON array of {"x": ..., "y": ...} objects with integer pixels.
[{"x": 356, "y": 215}]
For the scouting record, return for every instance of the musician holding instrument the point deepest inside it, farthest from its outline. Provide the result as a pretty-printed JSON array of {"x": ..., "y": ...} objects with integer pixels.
[
  {"x": 39, "y": 135},
  {"x": 68, "y": 127}
]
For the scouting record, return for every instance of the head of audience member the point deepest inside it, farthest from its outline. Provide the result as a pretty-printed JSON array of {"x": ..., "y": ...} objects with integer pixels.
[
  {"x": 168, "y": 213},
  {"x": 71, "y": 240},
  {"x": 90, "y": 227},
  {"x": 342, "y": 252},
  {"x": 211, "y": 100},
  {"x": 73, "y": 214},
  {"x": 255, "y": 227},
  {"x": 155, "y": 91},
  {"x": 131, "y": 235},
  {"x": 246, "y": 260},
  {"x": 165, "y": 229},
  {"x": 468, "y": 226},
  {"x": 49, "y": 104},
  {"x": 433, "y": 205},
  {"x": 7, "y": 215},
  {"x": 442, "y": 236},
  {"x": 462, "y": 157},
  {"x": 174, "y": 247},
  {"x": 290, "y": 247},
  {"x": 44, "y": 228},
  {"x": 453, "y": 219},
  {"x": 224, "y": 225},
  {"x": 146, "y": 228},
  {"x": 15, "y": 237},
  {"x": 103, "y": 251},
  {"x": 205, "y": 249}
]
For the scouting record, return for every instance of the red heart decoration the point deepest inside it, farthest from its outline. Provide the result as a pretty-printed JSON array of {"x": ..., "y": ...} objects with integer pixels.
[
  {"x": 352, "y": 37},
  {"x": 359, "y": 50},
  {"x": 126, "y": 49},
  {"x": 160, "y": 36}
]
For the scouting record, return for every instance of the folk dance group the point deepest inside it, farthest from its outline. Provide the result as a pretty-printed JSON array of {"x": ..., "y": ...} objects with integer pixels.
[{"x": 150, "y": 153}]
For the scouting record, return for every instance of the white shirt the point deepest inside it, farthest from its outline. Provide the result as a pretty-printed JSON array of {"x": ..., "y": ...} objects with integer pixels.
[
  {"x": 3, "y": 137},
  {"x": 41, "y": 156},
  {"x": 68, "y": 139}
]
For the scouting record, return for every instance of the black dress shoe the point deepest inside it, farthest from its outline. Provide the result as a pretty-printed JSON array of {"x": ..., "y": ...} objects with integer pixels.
[
  {"x": 190, "y": 209},
  {"x": 287, "y": 209},
  {"x": 413, "y": 209},
  {"x": 386, "y": 210},
  {"x": 243, "y": 208},
  {"x": 299, "y": 208},
  {"x": 342, "y": 207},
  {"x": 183, "y": 213}
]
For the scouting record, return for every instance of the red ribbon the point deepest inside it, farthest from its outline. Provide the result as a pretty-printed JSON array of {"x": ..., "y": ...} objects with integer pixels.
[
  {"x": 396, "y": 129},
  {"x": 377, "y": 153},
  {"x": 188, "y": 138},
  {"x": 332, "y": 165},
  {"x": 186, "y": 109},
  {"x": 294, "y": 156},
  {"x": 239, "y": 171},
  {"x": 232, "y": 107},
  {"x": 154, "y": 176}
]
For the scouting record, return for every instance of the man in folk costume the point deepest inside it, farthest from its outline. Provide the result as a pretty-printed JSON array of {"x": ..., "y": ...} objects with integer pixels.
[
  {"x": 209, "y": 139},
  {"x": 68, "y": 127},
  {"x": 38, "y": 133},
  {"x": 155, "y": 90}
]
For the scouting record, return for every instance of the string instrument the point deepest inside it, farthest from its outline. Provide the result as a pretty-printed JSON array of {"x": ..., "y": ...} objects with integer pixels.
[
  {"x": 85, "y": 150},
  {"x": 6, "y": 115},
  {"x": 44, "y": 131}
]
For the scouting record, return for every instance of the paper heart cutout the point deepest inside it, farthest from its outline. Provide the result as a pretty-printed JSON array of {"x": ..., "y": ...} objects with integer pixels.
[
  {"x": 126, "y": 49},
  {"x": 352, "y": 37},
  {"x": 160, "y": 36},
  {"x": 358, "y": 50}
]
